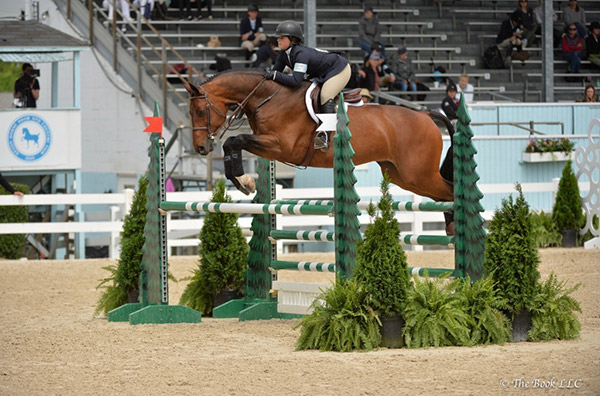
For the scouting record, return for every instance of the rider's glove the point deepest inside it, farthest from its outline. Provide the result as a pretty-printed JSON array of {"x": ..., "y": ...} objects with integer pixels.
[{"x": 270, "y": 74}]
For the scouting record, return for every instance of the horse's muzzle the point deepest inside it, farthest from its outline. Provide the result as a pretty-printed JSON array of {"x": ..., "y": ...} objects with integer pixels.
[{"x": 205, "y": 149}]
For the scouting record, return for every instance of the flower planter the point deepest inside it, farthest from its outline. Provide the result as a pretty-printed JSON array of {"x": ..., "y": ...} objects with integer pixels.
[
  {"x": 391, "y": 331},
  {"x": 521, "y": 324},
  {"x": 569, "y": 238},
  {"x": 557, "y": 156}
]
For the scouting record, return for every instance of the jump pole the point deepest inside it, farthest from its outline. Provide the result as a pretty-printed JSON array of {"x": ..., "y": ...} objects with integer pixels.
[{"x": 153, "y": 306}]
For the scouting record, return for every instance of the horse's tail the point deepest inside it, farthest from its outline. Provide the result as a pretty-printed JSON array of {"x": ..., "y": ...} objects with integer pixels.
[
  {"x": 437, "y": 116},
  {"x": 447, "y": 168}
]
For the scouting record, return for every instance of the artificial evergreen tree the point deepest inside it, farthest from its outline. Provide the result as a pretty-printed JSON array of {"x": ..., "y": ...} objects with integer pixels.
[
  {"x": 223, "y": 252},
  {"x": 567, "y": 211},
  {"x": 469, "y": 232},
  {"x": 346, "y": 212},
  {"x": 511, "y": 257}
]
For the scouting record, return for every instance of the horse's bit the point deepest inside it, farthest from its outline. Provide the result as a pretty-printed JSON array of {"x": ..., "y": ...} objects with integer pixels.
[{"x": 237, "y": 113}]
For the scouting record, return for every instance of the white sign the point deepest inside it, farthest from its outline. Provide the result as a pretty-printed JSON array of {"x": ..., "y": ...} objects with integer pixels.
[{"x": 40, "y": 140}]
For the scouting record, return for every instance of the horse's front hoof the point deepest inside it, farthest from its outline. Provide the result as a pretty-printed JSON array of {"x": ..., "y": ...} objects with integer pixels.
[{"x": 245, "y": 184}]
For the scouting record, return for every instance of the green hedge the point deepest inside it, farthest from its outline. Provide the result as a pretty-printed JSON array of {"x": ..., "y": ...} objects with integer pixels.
[{"x": 12, "y": 246}]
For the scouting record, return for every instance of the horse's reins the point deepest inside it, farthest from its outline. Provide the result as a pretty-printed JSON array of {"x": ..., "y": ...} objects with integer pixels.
[{"x": 237, "y": 113}]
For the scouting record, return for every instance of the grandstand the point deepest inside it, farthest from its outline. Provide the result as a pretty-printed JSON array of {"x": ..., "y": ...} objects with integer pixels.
[{"x": 453, "y": 34}]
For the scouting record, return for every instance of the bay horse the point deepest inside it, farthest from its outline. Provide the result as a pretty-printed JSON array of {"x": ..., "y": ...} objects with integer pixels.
[{"x": 406, "y": 144}]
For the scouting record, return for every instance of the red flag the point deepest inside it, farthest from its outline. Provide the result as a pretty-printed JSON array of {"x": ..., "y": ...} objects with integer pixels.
[{"x": 155, "y": 124}]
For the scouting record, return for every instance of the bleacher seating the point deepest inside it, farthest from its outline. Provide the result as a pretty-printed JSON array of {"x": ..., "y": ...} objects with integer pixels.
[{"x": 449, "y": 33}]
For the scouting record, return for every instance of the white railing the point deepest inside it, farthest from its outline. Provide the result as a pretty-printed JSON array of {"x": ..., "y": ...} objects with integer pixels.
[{"x": 121, "y": 203}]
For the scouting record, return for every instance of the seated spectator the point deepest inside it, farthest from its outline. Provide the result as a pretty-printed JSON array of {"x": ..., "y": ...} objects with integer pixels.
[
  {"x": 372, "y": 73},
  {"x": 592, "y": 44},
  {"x": 251, "y": 31},
  {"x": 557, "y": 31},
  {"x": 528, "y": 23},
  {"x": 465, "y": 88},
  {"x": 449, "y": 104},
  {"x": 366, "y": 95},
  {"x": 573, "y": 14},
  {"x": 160, "y": 11},
  {"x": 199, "y": 5},
  {"x": 509, "y": 37},
  {"x": 267, "y": 54},
  {"x": 589, "y": 95},
  {"x": 125, "y": 10},
  {"x": 402, "y": 71},
  {"x": 571, "y": 49},
  {"x": 369, "y": 32}
]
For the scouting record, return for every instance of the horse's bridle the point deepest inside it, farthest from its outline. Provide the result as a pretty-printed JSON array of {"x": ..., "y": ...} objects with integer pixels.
[{"x": 237, "y": 113}]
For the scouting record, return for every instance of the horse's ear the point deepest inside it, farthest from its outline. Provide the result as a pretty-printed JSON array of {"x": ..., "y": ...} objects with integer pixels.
[{"x": 192, "y": 89}]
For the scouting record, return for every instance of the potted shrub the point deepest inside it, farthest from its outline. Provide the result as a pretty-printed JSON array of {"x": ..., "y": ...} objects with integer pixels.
[
  {"x": 122, "y": 284},
  {"x": 223, "y": 254},
  {"x": 381, "y": 269},
  {"x": 567, "y": 210},
  {"x": 340, "y": 321},
  {"x": 511, "y": 259}
]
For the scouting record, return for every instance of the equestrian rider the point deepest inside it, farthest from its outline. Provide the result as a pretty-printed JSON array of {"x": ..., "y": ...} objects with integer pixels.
[{"x": 323, "y": 67}]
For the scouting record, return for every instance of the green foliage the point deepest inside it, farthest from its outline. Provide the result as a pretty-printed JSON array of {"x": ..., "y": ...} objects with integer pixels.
[
  {"x": 435, "y": 316},
  {"x": 544, "y": 231},
  {"x": 567, "y": 212},
  {"x": 380, "y": 260},
  {"x": 341, "y": 321},
  {"x": 511, "y": 257},
  {"x": 132, "y": 240},
  {"x": 554, "y": 312},
  {"x": 223, "y": 254},
  {"x": 124, "y": 277},
  {"x": 480, "y": 301},
  {"x": 9, "y": 73},
  {"x": 12, "y": 246},
  {"x": 549, "y": 145}
]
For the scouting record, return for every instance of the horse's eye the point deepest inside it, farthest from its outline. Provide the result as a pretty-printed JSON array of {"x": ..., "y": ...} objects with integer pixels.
[{"x": 200, "y": 113}]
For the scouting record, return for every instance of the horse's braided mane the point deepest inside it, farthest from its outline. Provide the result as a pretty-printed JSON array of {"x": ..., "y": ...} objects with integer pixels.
[{"x": 245, "y": 71}]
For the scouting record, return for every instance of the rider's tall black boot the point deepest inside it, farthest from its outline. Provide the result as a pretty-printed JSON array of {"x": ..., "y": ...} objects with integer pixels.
[{"x": 322, "y": 138}]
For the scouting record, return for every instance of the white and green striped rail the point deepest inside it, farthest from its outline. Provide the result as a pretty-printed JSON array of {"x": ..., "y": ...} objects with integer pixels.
[
  {"x": 310, "y": 266},
  {"x": 403, "y": 206},
  {"x": 249, "y": 208},
  {"x": 329, "y": 236}
]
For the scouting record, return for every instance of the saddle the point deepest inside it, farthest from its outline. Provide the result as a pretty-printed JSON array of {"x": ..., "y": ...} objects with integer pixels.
[{"x": 351, "y": 96}]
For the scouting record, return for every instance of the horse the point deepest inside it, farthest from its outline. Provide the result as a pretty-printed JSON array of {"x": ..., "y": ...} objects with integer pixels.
[
  {"x": 406, "y": 144},
  {"x": 30, "y": 137}
]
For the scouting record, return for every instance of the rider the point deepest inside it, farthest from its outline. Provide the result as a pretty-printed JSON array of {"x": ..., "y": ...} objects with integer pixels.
[{"x": 324, "y": 67}]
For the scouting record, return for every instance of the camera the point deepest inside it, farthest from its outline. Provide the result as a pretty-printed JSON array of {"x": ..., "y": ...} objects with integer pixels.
[{"x": 33, "y": 73}]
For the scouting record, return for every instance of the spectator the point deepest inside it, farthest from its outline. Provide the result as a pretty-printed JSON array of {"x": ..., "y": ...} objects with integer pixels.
[
  {"x": 27, "y": 87},
  {"x": 267, "y": 54},
  {"x": 4, "y": 183},
  {"x": 465, "y": 88},
  {"x": 368, "y": 32},
  {"x": 324, "y": 67},
  {"x": 557, "y": 31},
  {"x": 528, "y": 23},
  {"x": 449, "y": 104},
  {"x": 573, "y": 14},
  {"x": 251, "y": 31},
  {"x": 124, "y": 10},
  {"x": 509, "y": 37},
  {"x": 403, "y": 72},
  {"x": 571, "y": 49},
  {"x": 373, "y": 73},
  {"x": 161, "y": 11},
  {"x": 145, "y": 7},
  {"x": 592, "y": 44},
  {"x": 200, "y": 4},
  {"x": 589, "y": 95},
  {"x": 366, "y": 95}
]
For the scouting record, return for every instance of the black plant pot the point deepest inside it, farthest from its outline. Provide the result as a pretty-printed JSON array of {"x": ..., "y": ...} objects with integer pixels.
[
  {"x": 133, "y": 296},
  {"x": 569, "y": 238},
  {"x": 521, "y": 324},
  {"x": 391, "y": 331},
  {"x": 225, "y": 295}
]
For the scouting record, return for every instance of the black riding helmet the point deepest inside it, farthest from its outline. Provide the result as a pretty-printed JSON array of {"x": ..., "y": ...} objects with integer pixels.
[{"x": 289, "y": 28}]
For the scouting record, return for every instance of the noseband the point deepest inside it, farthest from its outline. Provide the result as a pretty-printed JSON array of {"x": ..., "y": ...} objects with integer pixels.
[{"x": 237, "y": 113}]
